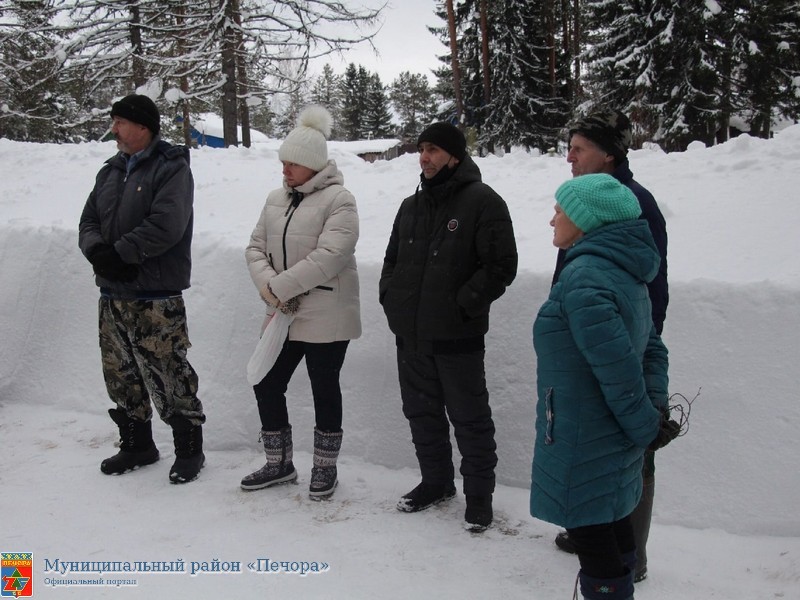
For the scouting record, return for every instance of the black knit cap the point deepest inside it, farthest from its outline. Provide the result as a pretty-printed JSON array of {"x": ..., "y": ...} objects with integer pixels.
[
  {"x": 139, "y": 109},
  {"x": 609, "y": 129},
  {"x": 448, "y": 137}
]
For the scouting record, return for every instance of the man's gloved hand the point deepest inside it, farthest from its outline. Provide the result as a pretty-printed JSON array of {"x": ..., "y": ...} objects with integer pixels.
[
  {"x": 290, "y": 306},
  {"x": 107, "y": 263},
  {"x": 668, "y": 431}
]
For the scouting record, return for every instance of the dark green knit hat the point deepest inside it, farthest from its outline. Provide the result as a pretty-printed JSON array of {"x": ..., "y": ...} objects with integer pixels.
[{"x": 591, "y": 201}]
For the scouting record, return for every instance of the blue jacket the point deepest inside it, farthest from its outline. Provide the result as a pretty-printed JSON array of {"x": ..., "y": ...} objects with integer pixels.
[{"x": 601, "y": 379}]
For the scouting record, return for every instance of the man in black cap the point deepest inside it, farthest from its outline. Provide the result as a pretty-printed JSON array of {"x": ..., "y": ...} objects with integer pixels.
[
  {"x": 136, "y": 231},
  {"x": 451, "y": 253},
  {"x": 599, "y": 143}
]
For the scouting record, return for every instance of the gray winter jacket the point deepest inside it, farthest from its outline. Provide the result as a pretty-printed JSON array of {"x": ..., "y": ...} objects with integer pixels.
[
  {"x": 304, "y": 246},
  {"x": 147, "y": 215}
]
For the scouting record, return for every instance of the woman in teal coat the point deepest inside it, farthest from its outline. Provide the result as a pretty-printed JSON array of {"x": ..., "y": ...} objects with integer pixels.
[{"x": 601, "y": 380}]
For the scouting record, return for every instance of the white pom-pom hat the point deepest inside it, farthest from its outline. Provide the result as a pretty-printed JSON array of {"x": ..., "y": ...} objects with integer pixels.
[{"x": 306, "y": 144}]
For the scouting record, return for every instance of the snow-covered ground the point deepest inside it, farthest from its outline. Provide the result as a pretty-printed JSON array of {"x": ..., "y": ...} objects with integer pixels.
[{"x": 725, "y": 522}]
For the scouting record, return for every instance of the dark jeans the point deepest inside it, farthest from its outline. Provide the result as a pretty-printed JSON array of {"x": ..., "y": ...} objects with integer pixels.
[
  {"x": 323, "y": 362},
  {"x": 434, "y": 388},
  {"x": 601, "y": 547}
]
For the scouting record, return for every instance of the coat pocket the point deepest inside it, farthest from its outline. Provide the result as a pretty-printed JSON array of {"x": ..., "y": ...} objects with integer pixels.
[{"x": 549, "y": 415}]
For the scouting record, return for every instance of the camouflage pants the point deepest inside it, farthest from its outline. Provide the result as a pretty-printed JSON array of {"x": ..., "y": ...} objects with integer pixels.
[{"x": 143, "y": 344}]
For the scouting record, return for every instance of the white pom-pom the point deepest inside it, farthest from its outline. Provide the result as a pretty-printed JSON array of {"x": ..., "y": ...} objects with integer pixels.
[{"x": 317, "y": 117}]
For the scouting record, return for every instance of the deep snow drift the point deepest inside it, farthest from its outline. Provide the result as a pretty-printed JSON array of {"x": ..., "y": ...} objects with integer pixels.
[{"x": 725, "y": 521}]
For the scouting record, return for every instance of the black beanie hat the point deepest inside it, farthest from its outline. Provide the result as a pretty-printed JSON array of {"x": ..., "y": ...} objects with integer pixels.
[
  {"x": 609, "y": 129},
  {"x": 139, "y": 109},
  {"x": 448, "y": 137}
]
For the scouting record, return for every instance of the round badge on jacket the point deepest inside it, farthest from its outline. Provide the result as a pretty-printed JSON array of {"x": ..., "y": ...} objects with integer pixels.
[{"x": 452, "y": 225}]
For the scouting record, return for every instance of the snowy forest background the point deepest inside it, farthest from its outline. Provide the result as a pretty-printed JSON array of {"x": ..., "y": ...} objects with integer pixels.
[{"x": 512, "y": 72}]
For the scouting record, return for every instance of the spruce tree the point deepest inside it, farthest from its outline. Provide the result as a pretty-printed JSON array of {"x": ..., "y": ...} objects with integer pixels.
[
  {"x": 377, "y": 117},
  {"x": 355, "y": 86},
  {"x": 327, "y": 91},
  {"x": 526, "y": 107},
  {"x": 412, "y": 99}
]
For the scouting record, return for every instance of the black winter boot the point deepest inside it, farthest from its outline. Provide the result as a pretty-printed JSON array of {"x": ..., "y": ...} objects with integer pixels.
[
  {"x": 564, "y": 543},
  {"x": 478, "y": 516},
  {"x": 619, "y": 588},
  {"x": 323, "y": 473},
  {"x": 426, "y": 495},
  {"x": 136, "y": 447},
  {"x": 189, "y": 457},
  {"x": 279, "y": 468}
]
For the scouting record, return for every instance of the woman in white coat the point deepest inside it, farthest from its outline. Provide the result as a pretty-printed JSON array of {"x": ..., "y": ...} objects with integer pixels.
[{"x": 301, "y": 258}]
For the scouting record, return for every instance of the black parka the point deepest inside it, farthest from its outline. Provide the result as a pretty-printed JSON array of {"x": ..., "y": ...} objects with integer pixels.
[{"x": 450, "y": 255}]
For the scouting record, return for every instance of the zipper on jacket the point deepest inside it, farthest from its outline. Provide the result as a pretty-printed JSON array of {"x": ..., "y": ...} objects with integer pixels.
[
  {"x": 297, "y": 198},
  {"x": 548, "y": 410}
]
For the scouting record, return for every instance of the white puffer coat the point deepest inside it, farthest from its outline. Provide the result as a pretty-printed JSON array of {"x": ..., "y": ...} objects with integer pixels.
[{"x": 306, "y": 249}]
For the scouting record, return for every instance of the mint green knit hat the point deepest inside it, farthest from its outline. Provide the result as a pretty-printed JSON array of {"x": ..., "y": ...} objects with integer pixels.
[{"x": 591, "y": 201}]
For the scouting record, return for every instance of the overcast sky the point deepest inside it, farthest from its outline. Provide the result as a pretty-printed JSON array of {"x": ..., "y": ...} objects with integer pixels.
[{"x": 403, "y": 43}]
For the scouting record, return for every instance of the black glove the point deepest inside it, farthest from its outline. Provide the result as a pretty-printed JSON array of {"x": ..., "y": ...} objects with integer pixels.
[
  {"x": 668, "y": 431},
  {"x": 108, "y": 263}
]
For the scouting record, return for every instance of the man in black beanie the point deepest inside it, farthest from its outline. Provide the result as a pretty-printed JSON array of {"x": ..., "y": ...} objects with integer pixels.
[
  {"x": 451, "y": 253},
  {"x": 599, "y": 143},
  {"x": 136, "y": 231}
]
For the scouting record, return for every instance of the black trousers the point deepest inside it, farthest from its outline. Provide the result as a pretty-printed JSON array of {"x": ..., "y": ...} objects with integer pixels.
[
  {"x": 324, "y": 363},
  {"x": 435, "y": 387},
  {"x": 601, "y": 547}
]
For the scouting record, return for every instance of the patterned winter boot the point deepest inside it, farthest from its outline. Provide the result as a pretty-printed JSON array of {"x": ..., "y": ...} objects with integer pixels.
[
  {"x": 279, "y": 467},
  {"x": 136, "y": 447},
  {"x": 619, "y": 588},
  {"x": 189, "y": 457},
  {"x": 323, "y": 473}
]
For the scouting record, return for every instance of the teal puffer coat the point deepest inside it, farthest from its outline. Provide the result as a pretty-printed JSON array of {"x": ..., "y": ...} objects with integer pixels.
[{"x": 601, "y": 379}]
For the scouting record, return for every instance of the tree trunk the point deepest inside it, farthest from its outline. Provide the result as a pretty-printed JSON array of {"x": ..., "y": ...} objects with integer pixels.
[
  {"x": 230, "y": 134},
  {"x": 550, "y": 27},
  {"x": 241, "y": 76},
  {"x": 135, "y": 30},
  {"x": 487, "y": 79},
  {"x": 186, "y": 125},
  {"x": 576, "y": 50},
  {"x": 451, "y": 23}
]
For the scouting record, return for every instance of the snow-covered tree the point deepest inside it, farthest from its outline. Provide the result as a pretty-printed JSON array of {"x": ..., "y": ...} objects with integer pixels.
[
  {"x": 770, "y": 62},
  {"x": 412, "y": 100},
  {"x": 525, "y": 105},
  {"x": 200, "y": 51},
  {"x": 34, "y": 105},
  {"x": 327, "y": 91},
  {"x": 377, "y": 123},
  {"x": 354, "y": 91}
]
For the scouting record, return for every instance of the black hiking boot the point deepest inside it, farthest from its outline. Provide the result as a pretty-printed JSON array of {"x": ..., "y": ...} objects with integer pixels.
[
  {"x": 189, "y": 457},
  {"x": 136, "y": 448}
]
